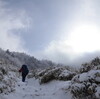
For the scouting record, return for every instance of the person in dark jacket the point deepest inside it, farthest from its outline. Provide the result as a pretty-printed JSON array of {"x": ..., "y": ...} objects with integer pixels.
[{"x": 24, "y": 71}]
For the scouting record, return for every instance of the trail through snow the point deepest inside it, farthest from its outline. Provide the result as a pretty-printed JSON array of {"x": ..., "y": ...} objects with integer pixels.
[{"x": 31, "y": 89}]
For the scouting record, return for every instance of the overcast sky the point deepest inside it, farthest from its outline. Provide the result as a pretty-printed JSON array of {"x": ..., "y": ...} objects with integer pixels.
[{"x": 64, "y": 31}]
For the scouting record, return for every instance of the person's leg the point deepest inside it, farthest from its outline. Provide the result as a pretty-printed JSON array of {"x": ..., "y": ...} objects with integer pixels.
[{"x": 23, "y": 77}]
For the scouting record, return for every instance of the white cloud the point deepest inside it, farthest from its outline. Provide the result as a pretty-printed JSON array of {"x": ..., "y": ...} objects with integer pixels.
[
  {"x": 60, "y": 52},
  {"x": 10, "y": 21},
  {"x": 88, "y": 7}
]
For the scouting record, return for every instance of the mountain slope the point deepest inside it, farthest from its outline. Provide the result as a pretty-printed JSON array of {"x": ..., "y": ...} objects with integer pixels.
[{"x": 17, "y": 59}]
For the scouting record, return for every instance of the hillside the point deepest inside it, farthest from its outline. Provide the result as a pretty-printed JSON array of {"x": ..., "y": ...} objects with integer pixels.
[
  {"x": 17, "y": 59},
  {"x": 51, "y": 82}
]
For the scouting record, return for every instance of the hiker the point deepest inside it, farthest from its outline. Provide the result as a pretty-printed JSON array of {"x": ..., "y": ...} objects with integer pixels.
[{"x": 24, "y": 71}]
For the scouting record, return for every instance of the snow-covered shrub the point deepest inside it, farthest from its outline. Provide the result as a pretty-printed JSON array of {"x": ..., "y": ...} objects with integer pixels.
[
  {"x": 59, "y": 73},
  {"x": 86, "y": 85},
  {"x": 7, "y": 78},
  {"x": 48, "y": 74},
  {"x": 97, "y": 92},
  {"x": 3, "y": 70},
  {"x": 7, "y": 85},
  {"x": 31, "y": 74},
  {"x": 66, "y": 75},
  {"x": 2, "y": 73},
  {"x": 45, "y": 78},
  {"x": 40, "y": 72},
  {"x": 1, "y": 76},
  {"x": 94, "y": 64}
]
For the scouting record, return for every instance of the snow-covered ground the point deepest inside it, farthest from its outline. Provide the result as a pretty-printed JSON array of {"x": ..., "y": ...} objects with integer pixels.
[{"x": 31, "y": 89}]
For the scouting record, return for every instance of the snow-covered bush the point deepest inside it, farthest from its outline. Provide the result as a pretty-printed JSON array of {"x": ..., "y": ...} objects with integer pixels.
[
  {"x": 7, "y": 78},
  {"x": 66, "y": 75},
  {"x": 59, "y": 73},
  {"x": 86, "y": 85},
  {"x": 1, "y": 76},
  {"x": 3, "y": 71},
  {"x": 31, "y": 74},
  {"x": 7, "y": 85},
  {"x": 94, "y": 64}
]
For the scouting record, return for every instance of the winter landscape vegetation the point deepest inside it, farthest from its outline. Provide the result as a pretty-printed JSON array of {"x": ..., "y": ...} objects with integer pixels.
[{"x": 47, "y": 80}]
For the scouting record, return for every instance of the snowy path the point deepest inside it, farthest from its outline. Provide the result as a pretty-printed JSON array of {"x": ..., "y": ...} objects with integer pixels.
[{"x": 33, "y": 90}]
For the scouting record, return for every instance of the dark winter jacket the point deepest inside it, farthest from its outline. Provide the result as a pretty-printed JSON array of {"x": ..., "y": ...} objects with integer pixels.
[{"x": 24, "y": 69}]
